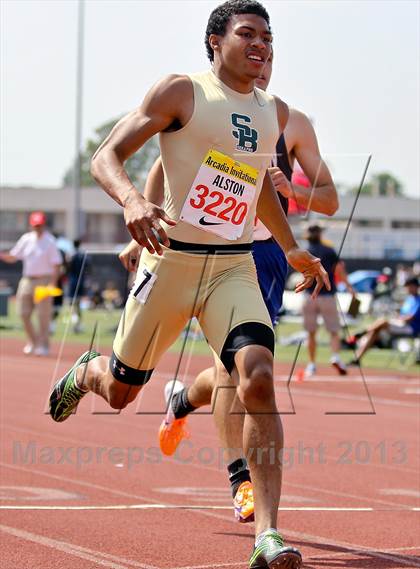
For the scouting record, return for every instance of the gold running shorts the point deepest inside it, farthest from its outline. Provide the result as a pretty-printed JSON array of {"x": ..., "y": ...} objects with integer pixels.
[{"x": 220, "y": 290}]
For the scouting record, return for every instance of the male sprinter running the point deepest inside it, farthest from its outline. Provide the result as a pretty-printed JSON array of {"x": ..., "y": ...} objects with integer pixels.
[
  {"x": 298, "y": 142},
  {"x": 217, "y": 133}
]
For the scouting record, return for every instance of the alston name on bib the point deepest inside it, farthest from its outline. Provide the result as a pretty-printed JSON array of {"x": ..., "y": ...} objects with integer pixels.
[{"x": 228, "y": 185}]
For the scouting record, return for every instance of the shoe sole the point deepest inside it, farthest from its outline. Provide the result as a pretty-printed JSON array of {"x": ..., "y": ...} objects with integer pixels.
[
  {"x": 286, "y": 560},
  {"x": 340, "y": 370},
  {"x": 162, "y": 440},
  {"x": 249, "y": 519}
]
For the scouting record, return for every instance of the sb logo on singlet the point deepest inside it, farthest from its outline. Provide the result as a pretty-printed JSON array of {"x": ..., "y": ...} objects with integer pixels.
[{"x": 247, "y": 137}]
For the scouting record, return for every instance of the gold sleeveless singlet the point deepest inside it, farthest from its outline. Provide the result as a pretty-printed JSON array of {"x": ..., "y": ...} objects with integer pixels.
[{"x": 214, "y": 166}]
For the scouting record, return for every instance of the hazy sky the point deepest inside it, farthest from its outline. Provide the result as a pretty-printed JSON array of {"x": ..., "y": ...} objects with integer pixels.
[{"x": 353, "y": 66}]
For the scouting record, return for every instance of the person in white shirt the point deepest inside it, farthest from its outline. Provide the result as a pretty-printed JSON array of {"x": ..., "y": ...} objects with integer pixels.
[{"x": 41, "y": 262}]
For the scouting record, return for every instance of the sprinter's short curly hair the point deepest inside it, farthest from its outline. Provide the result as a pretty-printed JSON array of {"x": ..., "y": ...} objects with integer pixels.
[{"x": 221, "y": 15}]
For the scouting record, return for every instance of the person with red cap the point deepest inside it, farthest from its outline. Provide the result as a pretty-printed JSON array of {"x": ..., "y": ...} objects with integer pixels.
[{"x": 41, "y": 262}]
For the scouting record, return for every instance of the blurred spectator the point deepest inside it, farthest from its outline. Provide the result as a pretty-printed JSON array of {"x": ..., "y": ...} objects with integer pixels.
[
  {"x": 95, "y": 296},
  {"x": 384, "y": 283},
  {"x": 78, "y": 268},
  {"x": 407, "y": 324},
  {"x": 382, "y": 301},
  {"x": 61, "y": 281},
  {"x": 325, "y": 304},
  {"x": 403, "y": 273},
  {"x": 111, "y": 296},
  {"x": 41, "y": 263}
]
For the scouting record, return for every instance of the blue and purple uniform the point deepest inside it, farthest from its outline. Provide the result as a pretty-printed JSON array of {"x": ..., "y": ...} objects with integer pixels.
[{"x": 269, "y": 257}]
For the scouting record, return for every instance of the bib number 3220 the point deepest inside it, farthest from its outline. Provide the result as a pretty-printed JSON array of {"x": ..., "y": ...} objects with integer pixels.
[{"x": 216, "y": 204}]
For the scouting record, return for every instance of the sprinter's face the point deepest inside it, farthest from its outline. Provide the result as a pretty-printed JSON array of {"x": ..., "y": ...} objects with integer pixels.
[{"x": 245, "y": 47}]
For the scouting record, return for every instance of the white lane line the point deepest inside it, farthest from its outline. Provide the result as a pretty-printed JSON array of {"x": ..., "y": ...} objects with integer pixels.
[
  {"x": 89, "y": 554},
  {"x": 321, "y": 540},
  {"x": 336, "y": 395},
  {"x": 352, "y": 548},
  {"x": 104, "y": 559},
  {"x": 356, "y": 379},
  {"x": 207, "y": 513},
  {"x": 411, "y": 390},
  {"x": 201, "y": 434},
  {"x": 396, "y": 379},
  {"x": 394, "y": 549},
  {"x": 202, "y": 507},
  {"x": 400, "y": 492},
  {"x": 312, "y": 489},
  {"x": 188, "y": 379},
  {"x": 80, "y": 483},
  {"x": 34, "y": 493},
  {"x": 343, "y": 553},
  {"x": 217, "y": 495},
  {"x": 212, "y": 566}
]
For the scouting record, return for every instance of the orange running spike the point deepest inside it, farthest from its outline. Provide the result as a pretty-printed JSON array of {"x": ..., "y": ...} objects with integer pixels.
[{"x": 171, "y": 434}]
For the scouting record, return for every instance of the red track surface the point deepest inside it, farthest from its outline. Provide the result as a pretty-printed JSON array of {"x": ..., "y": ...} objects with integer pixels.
[{"x": 365, "y": 461}]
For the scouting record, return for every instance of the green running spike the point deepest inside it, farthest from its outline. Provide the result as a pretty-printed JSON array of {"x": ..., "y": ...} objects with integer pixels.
[
  {"x": 65, "y": 395},
  {"x": 271, "y": 553}
]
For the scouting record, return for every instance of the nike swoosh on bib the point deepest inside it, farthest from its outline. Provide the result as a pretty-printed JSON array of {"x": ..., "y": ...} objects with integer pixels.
[{"x": 202, "y": 221}]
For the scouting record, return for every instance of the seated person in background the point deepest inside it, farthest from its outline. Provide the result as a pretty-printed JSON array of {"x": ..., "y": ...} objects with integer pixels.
[{"x": 407, "y": 324}]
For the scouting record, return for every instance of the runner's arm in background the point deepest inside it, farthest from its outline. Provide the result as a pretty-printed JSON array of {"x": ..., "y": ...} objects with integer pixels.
[
  {"x": 168, "y": 101},
  {"x": 153, "y": 189},
  {"x": 341, "y": 273},
  {"x": 8, "y": 258},
  {"x": 407, "y": 318},
  {"x": 322, "y": 197},
  {"x": 15, "y": 253},
  {"x": 271, "y": 213},
  {"x": 153, "y": 192}
]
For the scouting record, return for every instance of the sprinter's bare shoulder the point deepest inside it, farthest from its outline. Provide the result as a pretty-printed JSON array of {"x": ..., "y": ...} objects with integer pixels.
[
  {"x": 167, "y": 106},
  {"x": 168, "y": 103}
]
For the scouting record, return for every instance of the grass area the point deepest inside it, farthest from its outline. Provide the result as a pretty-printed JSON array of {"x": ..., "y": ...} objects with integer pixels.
[{"x": 107, "y": 322}]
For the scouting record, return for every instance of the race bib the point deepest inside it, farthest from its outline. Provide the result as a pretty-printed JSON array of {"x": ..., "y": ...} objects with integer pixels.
[
  {"x": 221, "y": 195},
  {"x": 143, "y": 284}
]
